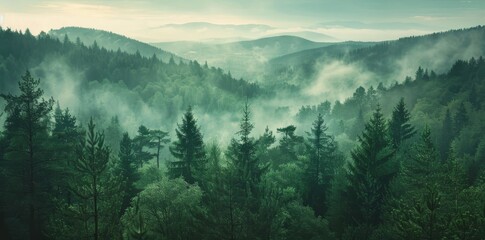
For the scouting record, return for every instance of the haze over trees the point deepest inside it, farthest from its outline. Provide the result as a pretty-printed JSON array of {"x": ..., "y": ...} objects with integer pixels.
[{"x": 394, "y": 161}]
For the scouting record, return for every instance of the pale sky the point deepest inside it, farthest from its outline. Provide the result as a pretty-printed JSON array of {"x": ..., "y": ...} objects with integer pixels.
[{"x": 147, "y": 20}]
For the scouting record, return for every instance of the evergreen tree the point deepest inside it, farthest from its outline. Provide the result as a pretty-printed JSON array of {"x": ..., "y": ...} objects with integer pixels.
[
  {"x": 369, "y": 176},
  {"x": 242, "y": 155},
  {"x": 246, "y": 171},
  {"x": 128, "y": 171},
  {"x": 140, "y": 145},
  {"x": 446, "y": 135},
  {"x": 320, "y": 169},
  {"x": 419, "y": 74},
  {"x": 473, "y": 97},
  {"x": 399, "y": 127},
  {"x": 113, "y": 134},
  {"x": 423, "y": 164},
  {"x": 359, "y": 124},
  {"x": 461, "y": 119},
  {"x": 91, "y": 167},
  {"x": 65, "y": 135},
  {"x": 27, "y": 163},
  {"x": 158, "y": 139},
  {"x": 188, "y": 149},
  {"x": 288, "y": 145},
  {"x": 264, "y": 143}
]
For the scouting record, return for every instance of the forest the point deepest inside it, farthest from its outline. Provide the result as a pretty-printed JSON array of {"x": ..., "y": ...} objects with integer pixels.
[{"x": 397, "y": 160}]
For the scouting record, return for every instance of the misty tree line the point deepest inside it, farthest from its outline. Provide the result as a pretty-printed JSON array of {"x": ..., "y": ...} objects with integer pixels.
[
  {"x": 165, "y": 86},
  {"x": 61, "y": 180}
]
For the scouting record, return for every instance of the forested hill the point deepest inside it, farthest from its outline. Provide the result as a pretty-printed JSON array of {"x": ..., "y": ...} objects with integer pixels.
[
  {"x": 111, "y": 41},
  {"x": 74, "y": 73},
  {"x": 242, "y": 58},
  {"x": 388, "y": 61}
]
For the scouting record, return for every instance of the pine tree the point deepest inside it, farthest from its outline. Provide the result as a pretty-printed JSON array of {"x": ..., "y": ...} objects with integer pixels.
[
  {"x": 128, "y": 171},
  {"x": 65, "y": 135},
  {"x": 91, "y": 166},
  {"x": 188, "y": 149},
  {"x": 423, "y": 163},
  {"x": 264, "y": 143},
  {"x": 369, "y": 175},
  {"x": 242, "y": 155},
  {"x": 461, "y": 118},
  {"x": 26, "y": 132},
  {"x": 113, "y": 134},
  {"x": 288, "y": 144},
  {"x": 320, "y": 169},
  {"x": 140, "y": 145},
  {"x": 399, "y": 127},
  {"x": 446, "y": 135},
  {"x": 246, "y": 171},
  {"x": 419, "y": 74},
  {"x": 158, "y": 139},
  {"x": 359, "y": 124}
]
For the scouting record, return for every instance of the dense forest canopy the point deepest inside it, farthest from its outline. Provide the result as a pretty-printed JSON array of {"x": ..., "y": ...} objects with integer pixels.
[{"x": 105, "y": 144}]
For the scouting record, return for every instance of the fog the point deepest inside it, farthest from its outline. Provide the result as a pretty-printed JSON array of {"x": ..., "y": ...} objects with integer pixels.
[{"x": 338, "y": 80}]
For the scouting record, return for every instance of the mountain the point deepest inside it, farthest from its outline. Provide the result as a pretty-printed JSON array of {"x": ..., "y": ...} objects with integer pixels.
[
  {"x": 224, "y": 33},
  {"x": 385, "y": 62},
  {"x": 310, "y": 35},
  {"x": 244, "y": 58},
  {"x": 93, "y": 81},
  {"x": 209, "y": 32},
  {"x": 194, "y": 26},
  {"x": 111, "y": 41}
]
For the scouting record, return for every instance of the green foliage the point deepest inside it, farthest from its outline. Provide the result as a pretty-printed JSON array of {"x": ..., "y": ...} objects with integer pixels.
[
  {"x": 141, "y": 144},
  {"x": 369, "y": 176},
  {"x": 188, "y": 149},
  {"x": 399, "y": 127},
  {"x": 27, "y": 163},
  {"x": 168, "y": 209},
  {"x": 319, "y": 172},
  {"x": 158, "y": 139},
  {"x": 246, "y": 167},
  {"x": 289, "y": 145},
  {"x": 128, "y": 171},
  {"x": 447, "y": 135}
]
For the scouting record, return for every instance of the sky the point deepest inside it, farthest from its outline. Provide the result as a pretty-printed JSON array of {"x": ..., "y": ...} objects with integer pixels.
[{"x": 163, "y": 20}]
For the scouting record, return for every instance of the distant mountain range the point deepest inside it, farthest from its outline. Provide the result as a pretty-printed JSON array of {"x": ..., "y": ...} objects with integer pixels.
[
  {"x": 211, "y": 33},
  {"x": 111, "y": 41},
  {"x": 243, "y": 58},
  {"x": 385, "y": 62},
  {"x": 299, "y": 61}
]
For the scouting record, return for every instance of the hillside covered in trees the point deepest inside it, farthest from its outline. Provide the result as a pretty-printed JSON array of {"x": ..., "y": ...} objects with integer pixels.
[{"x": 392, "y": 161}]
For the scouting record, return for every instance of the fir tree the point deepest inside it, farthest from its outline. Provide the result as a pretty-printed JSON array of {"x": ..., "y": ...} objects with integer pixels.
[
  {"x": 369, "y": 175},
  {"x": 128, "y": 171},
  {"x": 461, "y": 119},
  {"x": 288, "y": 144},
  {"x": 399, "y": 127},
  {"x": 242, "y": 154},
  {"x": 91, "y": 167},
  {"x": 140, "y": 145},
  {"x": 26, "y": 129},
  {"x": 320, "y": 169},
  {"x": 446, "y": 135},
  {"x": 188, "y": 149}
]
